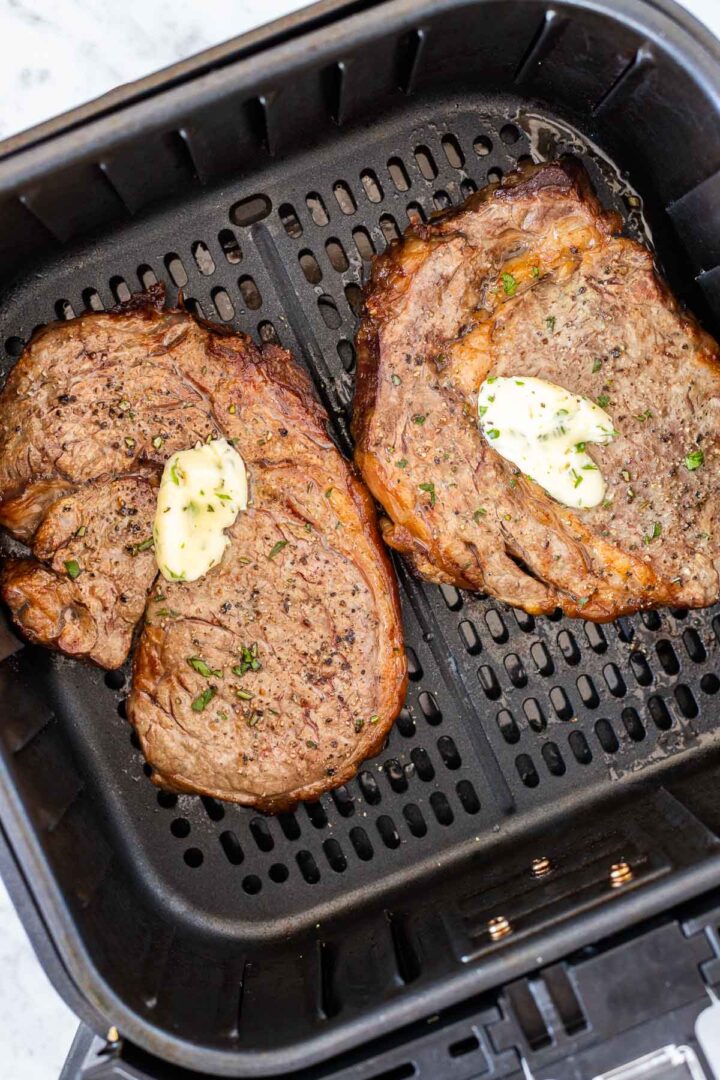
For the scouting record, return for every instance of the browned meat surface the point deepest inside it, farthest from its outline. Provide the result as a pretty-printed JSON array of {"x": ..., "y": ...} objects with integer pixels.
[
  {"x": 298, "y": 667},
  {"x": 586, "y": 311}
]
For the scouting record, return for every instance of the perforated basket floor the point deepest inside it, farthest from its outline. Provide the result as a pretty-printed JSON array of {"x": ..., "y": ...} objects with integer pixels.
[{"x": 509, "y": 719}]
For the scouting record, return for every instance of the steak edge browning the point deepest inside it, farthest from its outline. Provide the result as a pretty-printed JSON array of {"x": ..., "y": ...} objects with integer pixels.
[{"x": 585, "y": 309}]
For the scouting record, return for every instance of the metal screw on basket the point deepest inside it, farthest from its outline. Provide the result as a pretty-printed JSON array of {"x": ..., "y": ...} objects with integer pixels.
[
  {"x": 113, "y": 1035},
  {"x": 542, "y": 866},
  {"x": 620, "y": 874},
  {"x": 499, "y": 927}
]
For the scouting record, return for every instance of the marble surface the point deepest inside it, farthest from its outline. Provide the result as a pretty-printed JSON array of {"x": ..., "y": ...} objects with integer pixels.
[{"x": 58, "y": 54}]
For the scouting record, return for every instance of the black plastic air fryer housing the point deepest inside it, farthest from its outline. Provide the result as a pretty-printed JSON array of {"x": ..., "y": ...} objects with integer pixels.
[{"x": 550, "y": 782}]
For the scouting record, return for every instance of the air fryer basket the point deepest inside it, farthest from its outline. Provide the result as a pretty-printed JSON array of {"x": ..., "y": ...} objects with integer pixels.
[{"x": 533, "y": 755}]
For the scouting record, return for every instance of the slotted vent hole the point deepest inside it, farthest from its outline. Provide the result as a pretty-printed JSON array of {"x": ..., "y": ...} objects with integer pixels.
[
  {"x": 405, "y": 724},
  {"x": 166, "y": 799},
  {"x": 369, "y": 787},
  {"x": 278, "y": 873},
  {"x": 415, "y": 213},
  {"x": 482, "y": 146},
  {"x": 251, "y": 884},
  {"x": 442, "y": 200},
  {"x": 508, "y": 728},
  {"x": 423, "y": 765},
  {"x": 92, "y": 300},
  {"x": 398, "y": 174},
  {"x": 229, "y": 246},
  {"x": 176, "y": 270},
  {"x": 553, "y": 759},
  {"x": 334, "y": 855},
  {"x": 606, "y": 736},
  {"x": 527, "y": 771},
  {"x": 449, "y": 752},
  {"x": 534, "y": 714},
  {"x": 389, "y": 228},
  {"x": 64, "y": 310},
  {"x": 686, "y": 701},
  {"x": 415, "y": 820},
  {"x": 336, "y": 254},
  {"x": 268, "y": 333},
  {"x": 452, "y": 151},
  {"x": 213, "y": 808},
  {"x": 344, "y": 197},
  {"x": 316, "y": 206},
  {"x": 468, "y": 187},
  {"x": 396, "y": 776},
  {"x": 329, "y": 312},
  {"x": 667, "y": 657},
  {"x": 260, "y": 832},
  {"x": 180, "y": 827},
  {"x": 193, "y": 857},
  {"x": 580, "y": 748},
  {"x": 509, "y": 134},
  {"x": 469, "y": 636},
  {"x": 290, "y": 221},
  {"x": 441, "y": 808},
  {"x": 223, "y": 304},
  {"x": 310, "y": 267},
  {"x": 346, "y": 352},
  {"x": 633, "y": 724},
  {"x": 468, "y": 796},
  {"x": 463, "y": 1046},
  {"x": 354, "y": 297},
  {"x": 541, "y": 658},
  {"x": 120, "y": 290},
  {"x": 694, "y": 646},
  {"x": 494, "y": 176},
  {"x": 415, "y": 671},
  {"x": 429, "y": 708},
  {"x": 289, "y": 825},
  {"x": 710, "y": 684},
  {"x": 231, "y": 847},
  {"x": 146, "y": 276},
  {"x": 250, "y": 292},
  {"x": 388, "y": 833},
  {"x": 425, "y": 162},
  {"x": 203, "y": 259},
  {"x": 363, "y": 243},
  {"x": 308, "y": 867},
  {"x": 361, "y": 843},
  {"x": 316, "y": 812},
  {"x": 371, "y": 186},
  {"x": 343, "y": 801},
  {"x": 249, "y": 211}
]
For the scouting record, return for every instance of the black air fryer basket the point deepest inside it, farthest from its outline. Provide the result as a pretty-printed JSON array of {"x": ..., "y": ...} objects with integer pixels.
[{"x": 549, "y": 782}]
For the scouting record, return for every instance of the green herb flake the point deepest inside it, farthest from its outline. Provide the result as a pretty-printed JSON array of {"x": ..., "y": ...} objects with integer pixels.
[
  {"x": 550, "y": 323},
  {"x": 402, "y": 463},
  {"x": 656, "y": 531},
  {"x": 158, "y": 442},
  {"x": 374, "y": 719},
  {"x": 144, "y": 546},
  {"x": 329, "y": 492},
  {"x": 311, "y": 744},
  {"x": 124, "y": 405},
  {"x": 582, "y": 601},
  {"x": 519, "y": 382},
  {"x": 509, "y": 284},
  {"x": 81, "y": 531},
  {"x": 222, "y": 715},
  {"x": 253, "y": 719},
  {"x": 481, "y": 512},
  {"x": 395, "y": 379},
  {"x": 202, "y": 701},
  {"x": 597, "y": 364},
  {"x": 232, "y": 409},
  {"x": 430, "y": 488},
  {"x": 359, "y": 724},
  {"x": 493, "y": 433},
  {"x": 592, "y": 467},
  {"x": 482, "y": 409},
  {"x": 418, "y": 418},
  {"x": 602, "y": 400},
  {"x": 174, "y": 475},
  {"x": 643, "y": 416},
  {"x": 277, "y": 548},
  {"x": 491, "y": 379},
  {"x": 694, "y": 460},
  {"x": 248, "y": 661},
  {"x": 535, "y": 271},
  {"x": 244, "y": 695},
  {"x": 73, "y": 569},
  {"x": 199, "y": 665},
  {"x": 129, "y": 442},
  {"x": 579, "y": 447},
  {"x": 167, "y": 613},
  {"x": 577, "y": 478}
]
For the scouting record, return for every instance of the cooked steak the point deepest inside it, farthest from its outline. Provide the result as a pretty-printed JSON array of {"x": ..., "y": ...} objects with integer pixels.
[
  {"x": 270, "y": 679},
  {"x": 530, "y": 278}
]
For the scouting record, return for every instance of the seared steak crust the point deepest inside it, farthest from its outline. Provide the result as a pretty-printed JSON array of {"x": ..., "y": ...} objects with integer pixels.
[
  {"x": 89, "y": 416},
  {"x": 530, "y": 278}
]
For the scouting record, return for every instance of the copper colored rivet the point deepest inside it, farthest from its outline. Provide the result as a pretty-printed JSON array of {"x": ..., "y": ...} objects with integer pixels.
[
  {"x": 620, "y": 874},
  {"x": 499, "y": 927},
  {"x": 541, "y": 867}
]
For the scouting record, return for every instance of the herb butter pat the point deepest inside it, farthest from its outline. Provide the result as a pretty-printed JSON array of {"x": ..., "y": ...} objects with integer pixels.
[
  {"x": 201, "y": 493},
  {"x": 543, "y": 429}
]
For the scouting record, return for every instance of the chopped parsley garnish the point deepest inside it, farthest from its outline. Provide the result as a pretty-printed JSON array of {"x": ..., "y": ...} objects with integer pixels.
[
  {"x": 253, "y": 719},
  {"x": 174, "y": 473},
  {"x": 583, "y": 600},
  {"x": 359, "y": 724},
  {"x": 656, "y": 531},
  {"x": 579, "y": 447},
  {"x": 418, "y": 418},
  {"x": 482, "y": 409},
  {"x": 509, "y": 284},
  {"x": 248, "y": 661},
  {"x": 602, "y": 400},
  {"x": 491, "y": 379},
  {"x": 244, "y": 695},
  {"x": 167, "y": 613},
  {"x": 158, "y": 441},
  {"x": 374, "y": 719},
  {"x": 519, "y": 382},
  {"x": 402, "y": 463},
  {"x": 535, "y": 271},
  {"x": 202, "y": 701},
  {"x": 129, "y": 442},
  {"x": 73, "y": 568},
  {"x": 144, "y": 546},
  {"x": 577, "y": 478},
  {"x": 199, "y": 665},
  {"x": 597, "y": 364},
  {"x": 643, "y": 416},
  {"x": 481, "y": 512},
  {"x": 430, "y": 488},
  {"x": 81, "y": 531},
  {"x": 223, "y": 495},
  {"x": 395, "y": 379},
  {"x": 593, "y": 467},
  {"x": 493, "y": 433},
  {"x": 328, "y": 493},
  {"x": 277, "y": 548},
  {"x": 694, "y": 460},
  {"x": 311, "y": 744},
  {"x": 550, "y": 323}
]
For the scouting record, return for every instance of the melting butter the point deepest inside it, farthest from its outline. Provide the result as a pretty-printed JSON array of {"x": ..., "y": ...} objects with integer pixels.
[
  {"x": 543, "y": 429},
  {"x": 201, "y": 493}
]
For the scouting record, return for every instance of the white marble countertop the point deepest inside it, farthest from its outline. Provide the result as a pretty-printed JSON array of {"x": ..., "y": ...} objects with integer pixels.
[{"x": 58, "y": 54}]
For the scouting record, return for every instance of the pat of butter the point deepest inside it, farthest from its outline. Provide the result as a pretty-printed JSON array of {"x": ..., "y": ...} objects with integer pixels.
[
  {"x": 543, "y": 429},
  {"x": 201, "y": 493}
]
